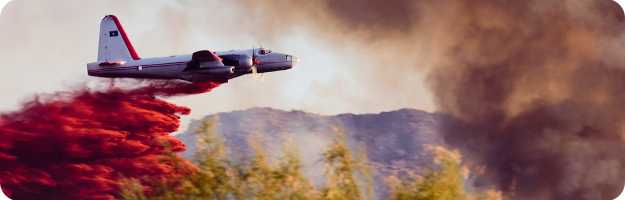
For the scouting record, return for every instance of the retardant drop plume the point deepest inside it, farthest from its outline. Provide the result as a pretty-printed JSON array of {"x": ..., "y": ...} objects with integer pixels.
[
  {"x": 538, "y": 86},
  {"x": 77, "y": 144}
]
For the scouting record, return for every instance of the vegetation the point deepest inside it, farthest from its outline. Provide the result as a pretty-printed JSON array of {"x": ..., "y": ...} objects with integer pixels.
[
  {"x": 347, "y": 177},
  {"x": 446, "y": 183}
]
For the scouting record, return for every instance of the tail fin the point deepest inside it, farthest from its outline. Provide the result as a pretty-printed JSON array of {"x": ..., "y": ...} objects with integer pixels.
[{"x": 114, "y": 43}]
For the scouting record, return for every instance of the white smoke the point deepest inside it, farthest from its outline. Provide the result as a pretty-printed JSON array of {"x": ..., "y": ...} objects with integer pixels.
[
  {"x": 2, "y": 4},
  {"x": 622, "y": 196},
  {"x": 3, "y": 196}
]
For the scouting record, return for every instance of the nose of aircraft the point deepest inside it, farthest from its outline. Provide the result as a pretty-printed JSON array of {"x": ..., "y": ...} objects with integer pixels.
[{"x": 293, "y": 59}]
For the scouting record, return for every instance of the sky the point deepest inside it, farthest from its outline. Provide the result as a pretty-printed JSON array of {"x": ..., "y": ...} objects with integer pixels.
[{"x": 51, "y": 48}]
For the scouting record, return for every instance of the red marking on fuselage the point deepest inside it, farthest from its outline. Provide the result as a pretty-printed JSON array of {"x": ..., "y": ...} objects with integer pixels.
[{"x": 131, "y": 48}]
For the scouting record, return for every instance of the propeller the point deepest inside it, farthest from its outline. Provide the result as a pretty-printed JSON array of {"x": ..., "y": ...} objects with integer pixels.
[{"x": 255, "y": 62}]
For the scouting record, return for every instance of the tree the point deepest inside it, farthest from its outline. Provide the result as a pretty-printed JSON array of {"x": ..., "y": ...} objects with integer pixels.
[
  {"x": 343, "y": 173},
  {"x": 445, "y": 183}
]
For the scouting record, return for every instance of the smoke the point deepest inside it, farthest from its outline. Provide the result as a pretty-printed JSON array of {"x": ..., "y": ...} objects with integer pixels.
[
  {"x": 535, "y": 87},
  {"x": 539, "y": 86},
  {"x": 78, "y": 144},
  {"x": 2, "y": 4}
]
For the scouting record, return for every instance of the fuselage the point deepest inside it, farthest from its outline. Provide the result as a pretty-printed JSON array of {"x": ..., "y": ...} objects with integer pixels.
[{"x": 177, "y": 67}]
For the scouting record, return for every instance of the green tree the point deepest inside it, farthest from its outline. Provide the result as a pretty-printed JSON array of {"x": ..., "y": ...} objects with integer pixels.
[
  {"x": 131, "y": 189},
  {"x": 344, "y": 172},
  {"x": 258, "y": 179},
  {"x": 445, "y": 183},
  {"x": 211, "y": 180},
  {"x": 214, "y": 179}
]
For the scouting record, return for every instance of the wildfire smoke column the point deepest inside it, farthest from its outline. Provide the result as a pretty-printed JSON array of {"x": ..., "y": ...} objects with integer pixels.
[
  {"x": 78, "y": 144},
  {"x": 538, "y": 88}
]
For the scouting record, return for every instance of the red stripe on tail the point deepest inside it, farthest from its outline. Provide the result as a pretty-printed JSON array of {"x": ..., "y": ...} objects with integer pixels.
[{"x": 131, "y": 48}]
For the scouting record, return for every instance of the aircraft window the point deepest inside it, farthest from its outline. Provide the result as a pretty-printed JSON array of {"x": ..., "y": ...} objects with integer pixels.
[{"x": 264, "y": 51}]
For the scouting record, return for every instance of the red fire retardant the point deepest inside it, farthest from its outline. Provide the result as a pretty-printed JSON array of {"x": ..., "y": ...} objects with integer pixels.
[{"x": 78, "y": 144}]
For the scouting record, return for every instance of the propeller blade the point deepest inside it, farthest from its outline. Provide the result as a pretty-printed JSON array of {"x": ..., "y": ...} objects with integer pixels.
[{"x": 255, "y": 60}]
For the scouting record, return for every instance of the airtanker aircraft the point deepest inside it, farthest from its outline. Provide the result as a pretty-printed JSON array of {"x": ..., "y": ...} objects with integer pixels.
[{"x": 117, "y": 58}]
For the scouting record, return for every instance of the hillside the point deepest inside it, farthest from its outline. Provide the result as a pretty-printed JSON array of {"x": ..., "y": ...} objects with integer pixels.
[{"x": 393, "y": 140}]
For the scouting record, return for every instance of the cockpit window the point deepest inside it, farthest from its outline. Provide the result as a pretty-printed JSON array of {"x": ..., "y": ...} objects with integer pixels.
[{"x": 264, "y": 51}]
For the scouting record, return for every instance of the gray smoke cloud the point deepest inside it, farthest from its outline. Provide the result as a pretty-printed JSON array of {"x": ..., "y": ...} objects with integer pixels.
[{"x": 539, "y": 85}]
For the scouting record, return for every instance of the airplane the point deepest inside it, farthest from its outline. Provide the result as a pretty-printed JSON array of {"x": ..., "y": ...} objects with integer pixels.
[{"x": 117, "y": 58}]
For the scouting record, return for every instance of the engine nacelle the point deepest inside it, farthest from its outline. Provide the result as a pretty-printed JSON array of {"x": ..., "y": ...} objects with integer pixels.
[
  {"x": 242, "y": 63},
  {"x": 218, "y": 71}
]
